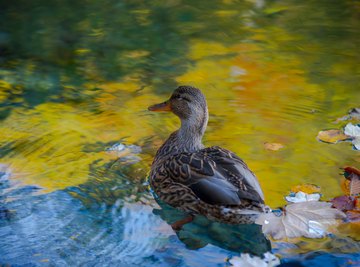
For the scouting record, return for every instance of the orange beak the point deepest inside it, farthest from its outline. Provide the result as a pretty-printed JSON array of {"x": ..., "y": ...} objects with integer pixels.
[{"x": 165, "y": 106}]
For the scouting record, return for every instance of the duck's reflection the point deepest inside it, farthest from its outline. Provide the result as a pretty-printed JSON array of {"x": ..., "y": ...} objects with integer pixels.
[{"x": 247, "y": 238}]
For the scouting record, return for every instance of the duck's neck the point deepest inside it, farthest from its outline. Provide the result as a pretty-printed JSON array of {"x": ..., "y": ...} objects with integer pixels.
[
  {"x": 190, "y": 134},
  {"x": 187, "y": 139}
]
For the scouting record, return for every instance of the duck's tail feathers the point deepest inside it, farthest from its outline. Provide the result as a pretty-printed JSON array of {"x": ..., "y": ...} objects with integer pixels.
[{"x": 309, "y": 219}]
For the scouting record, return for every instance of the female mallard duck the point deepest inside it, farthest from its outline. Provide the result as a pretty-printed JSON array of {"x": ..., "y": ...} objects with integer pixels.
[
  {"x": 212, "y": 181},
  {"x": 216, "y": 183}
]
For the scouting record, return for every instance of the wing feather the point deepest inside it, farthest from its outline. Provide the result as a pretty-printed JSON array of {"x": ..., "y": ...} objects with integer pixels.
[{"x": 216, "y": 176}]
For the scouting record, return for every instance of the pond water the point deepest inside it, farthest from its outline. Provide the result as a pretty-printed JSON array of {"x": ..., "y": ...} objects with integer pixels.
[{"x": 76, "y": 78}]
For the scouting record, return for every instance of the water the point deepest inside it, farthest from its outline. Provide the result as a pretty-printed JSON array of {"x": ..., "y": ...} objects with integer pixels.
[{"x": 77, "y": 77}]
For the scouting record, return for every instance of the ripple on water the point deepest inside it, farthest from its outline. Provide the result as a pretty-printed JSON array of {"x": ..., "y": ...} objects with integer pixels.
[{"x": 56, "y": 227}]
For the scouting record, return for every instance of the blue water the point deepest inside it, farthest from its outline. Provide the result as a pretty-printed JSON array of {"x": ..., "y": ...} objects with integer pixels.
[{"x": 57, "y": 229}]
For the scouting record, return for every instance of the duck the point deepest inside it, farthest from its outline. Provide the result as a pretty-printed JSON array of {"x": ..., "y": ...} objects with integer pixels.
[{"x": 209, "y": 181}]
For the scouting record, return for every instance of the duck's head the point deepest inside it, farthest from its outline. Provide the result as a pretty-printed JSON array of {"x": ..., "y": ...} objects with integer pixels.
[
  {"x": 189, "y": 104},
  {"x": 185, "y": 102}
]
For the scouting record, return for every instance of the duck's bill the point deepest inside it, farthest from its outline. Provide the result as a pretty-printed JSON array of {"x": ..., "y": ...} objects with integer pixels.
[{"x": 165, "y": 106}]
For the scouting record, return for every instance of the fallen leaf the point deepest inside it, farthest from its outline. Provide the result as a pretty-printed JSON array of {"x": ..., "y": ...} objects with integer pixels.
[
  {"x": 356, "y": 143},
  {"x": 357, "y": 203},
  {"x": 309, "y": 219},
  {"x": 354, "y": 132},
  {"x": 350, "y": 170},
  {"x": 354, "y": 113},
  {"x": 345, "y": 186},
  {"x": 353, "y": 215},
  {"x": 351, "y": 186},
  {"x": 354, "y": 185},
  {"x": 332, "y": 136},
  {"x": 343, "y": 203},
  {"x": 247, "y": 260},
  {"x": 302, "y": 197},
  {"x": 306, "y": 188},
  {"x": 273, "y": 146}
]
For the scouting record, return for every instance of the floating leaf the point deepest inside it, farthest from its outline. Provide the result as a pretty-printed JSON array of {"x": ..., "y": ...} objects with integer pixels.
[
  {"x": 351, "y": 133},
  {"x": 345, "y": 186},
  {"x": 356, "y": 143},
  {"x": 246, "y": 260},
  {"x": 310, "y": 219},
  {"x": 354, "y": 132},
  {"x": 354, "y": 184},
  {"x": 306, "y": 188},
  {"x": 302, "y": 197},
  {"x": 354, "y": 113},
  {"x": 343, "y": 203},
  {"x": 273, "y": 146},
  {"x": 353, "y": 215},
  {"x": 351, "y": 186},
  {"x": 332, "y": 136},
  {"x": 350, "y": 170}
]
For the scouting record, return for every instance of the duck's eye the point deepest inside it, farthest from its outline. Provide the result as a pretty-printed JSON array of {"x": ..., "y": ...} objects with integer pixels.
[
  {"x": 182, "y": 98},
  {"x": 178, "y": 97}
]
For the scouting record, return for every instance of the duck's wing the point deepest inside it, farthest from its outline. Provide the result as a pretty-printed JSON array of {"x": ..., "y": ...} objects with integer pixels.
[{"x": 216, "y": 176}]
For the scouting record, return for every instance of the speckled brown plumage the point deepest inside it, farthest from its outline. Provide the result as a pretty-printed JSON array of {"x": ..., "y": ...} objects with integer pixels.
[{"x": 212, "y": 181}]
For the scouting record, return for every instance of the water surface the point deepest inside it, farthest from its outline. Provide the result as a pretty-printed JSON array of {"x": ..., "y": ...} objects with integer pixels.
[{"x": 77, "y": 78}]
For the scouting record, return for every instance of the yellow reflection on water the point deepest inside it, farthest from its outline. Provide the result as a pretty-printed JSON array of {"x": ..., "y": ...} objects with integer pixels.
[
  {"x": 252, "y": 100},
  {"x": 269, "y": 101}
]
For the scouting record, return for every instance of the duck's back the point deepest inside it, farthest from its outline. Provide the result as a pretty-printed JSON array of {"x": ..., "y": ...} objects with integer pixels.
[{"x": 212, "y": 175}]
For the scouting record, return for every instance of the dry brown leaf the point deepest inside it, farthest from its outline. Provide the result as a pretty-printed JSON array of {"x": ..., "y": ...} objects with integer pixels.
[
  {"x": 343, "y": 203},
  {"x": 273, "y": 146},
  {"x": 353, "y": 215},
  {"x": 306, "y": 188},
  {"x": 357, "y": 203},
  {"x": 352, "y": 170},
  {"x": 332, "y": 136},
  {"x": 351, "y": 184},
  {"x": 345, "y": 186},
  {"x": 355, "y": 185}
]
